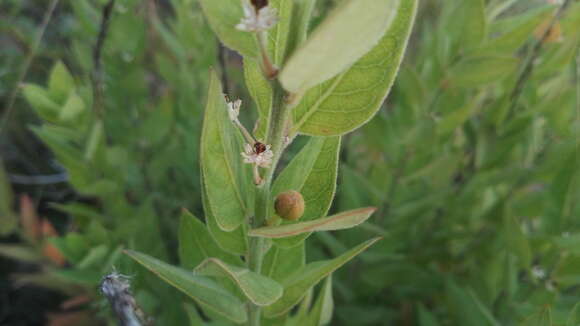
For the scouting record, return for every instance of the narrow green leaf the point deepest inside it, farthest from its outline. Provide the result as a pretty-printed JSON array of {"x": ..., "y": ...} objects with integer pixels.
[
  {"x": 313, "y": 173},
  {"x": 202, "y": 289},
  {"x": 260, "y": 289},
  {"x": 60, "y": 82},
  {"x": 223, "y": 173},
  {"x": 297, "y": 285},
  {"x": 345, "y": 220},
  {"x": 468, "y": 310},
  {"x": 352, "y": 98},
  {"x": 196, "y": 243},
  {"x": 426, "y": 318},
  {"x": 321, "y": 313},
  {"x": 73, "y": 106},
  {"x": 40, "y": 100},
  {"x": 348, "y": 32},
  {"x": 223, "y": 16},
  {"x": 468, "y": 24},
  {"x": 541, "y": 318},
  {"x": 20, "y": 252},
  {"x": 474, "y": 71},
  {"x": 302, "y": 14},
  {"x": 516, "y": 242},
  {"x": 574, "y": 316},
  {"x": 261, "y": 92},
  {"x": 194, "y": 317},
  {"x": 279, "y": 34}
]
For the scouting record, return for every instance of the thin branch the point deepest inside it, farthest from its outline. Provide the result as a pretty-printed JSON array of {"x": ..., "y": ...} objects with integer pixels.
[
  {"x": 27, "y": 63},
  {"x": 529, "y": 65},
  {"x": 97, "y": 78}
]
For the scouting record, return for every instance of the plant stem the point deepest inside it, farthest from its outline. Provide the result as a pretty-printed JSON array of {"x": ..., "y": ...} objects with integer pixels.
[{"x": 275, "y": 138}]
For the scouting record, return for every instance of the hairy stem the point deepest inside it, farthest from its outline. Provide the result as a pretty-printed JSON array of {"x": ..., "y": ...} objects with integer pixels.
[{"x": 276, "y": 138}]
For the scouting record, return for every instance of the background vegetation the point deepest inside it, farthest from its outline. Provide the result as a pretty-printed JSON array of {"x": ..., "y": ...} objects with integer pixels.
[{"x": 473, "y": 162}]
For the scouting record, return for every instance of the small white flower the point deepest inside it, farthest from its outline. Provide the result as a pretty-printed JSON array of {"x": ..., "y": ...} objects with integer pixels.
[
  {"x": 234, "y": 109},
  {"x": 259, "y": 154},
  {"x": 255, "y": 20},
  {"x": 538, "y": 272}
]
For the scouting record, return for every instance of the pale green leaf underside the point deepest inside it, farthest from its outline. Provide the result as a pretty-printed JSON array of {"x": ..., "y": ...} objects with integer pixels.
[
  {"x": 350, "y": 99},
  {"x": 221, "y": 161},
  {"x": 260, "y": 289},
  {"x": 340, "y": 221},
  {"x": 279, "y": 34},
  {"x": 202, "y": 289},
  {"x": 223, "y": 16},
  {"x": 196, "y": 243},
  {"x": 313, "y": 173},
  {"x": 349, "y": 32},
  {"x": 296, "y": 286},
  {"x": 261, "y": 92}
]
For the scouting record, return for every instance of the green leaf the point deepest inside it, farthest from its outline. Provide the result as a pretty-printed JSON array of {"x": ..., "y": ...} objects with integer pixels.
[
  {"x": 202, "y": 289},
  {"x": 574, "y": 316},
  {"x": 475, "y": 71},
  {"x": 279, "y": 263},
  {"x": 20, "y": 252},
  {"x": 221, "y": 163},
  {"x": 279, "y": 34},
  {"x": 313, "y": 173},
  {"x": 348, "y": 32},
  {"x": 468, "y": 24},
  {"x": 196, "y": 244},
  {"x": 73, "y": 106},
  {"x": 516, "y": 241},
  {"x": 352, "y": 98},
  {"x": 8, "y": 221},
  {"x": 345, "y": 220},
  {"x": 40, "y": 100},
  {"x": 297, "y": 285},
  {"x": 261, "y": 92},
  {"x": 223, "y": 16},
  {"x": 426, "y": 318},
  {"x": 469, "y": 311},
  {"x": 300, "y": 22},
  {"x": 234, "y": 242},
  {"x": 194, "y": 317},
  {"x": 321, "y": 313},
  {"x": 260, "y": 289},
  {"x": 541, "y": 318},
  {"x": 60, "y": 82}
]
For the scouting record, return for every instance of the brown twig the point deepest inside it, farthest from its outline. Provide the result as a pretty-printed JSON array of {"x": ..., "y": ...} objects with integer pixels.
[
  {"x": 27, "y": 62},
  {"x": 528, "y": 67},
  {"x": 97, "y": 77}
]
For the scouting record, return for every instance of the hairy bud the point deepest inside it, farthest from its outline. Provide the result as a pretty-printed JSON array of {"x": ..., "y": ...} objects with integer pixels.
[{"x": 289, "y": 205}]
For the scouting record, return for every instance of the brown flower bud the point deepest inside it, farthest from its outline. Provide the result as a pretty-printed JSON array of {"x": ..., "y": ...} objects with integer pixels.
[
  {"x": 289, "y": 205},
  {"x": 259, "y": 4}
]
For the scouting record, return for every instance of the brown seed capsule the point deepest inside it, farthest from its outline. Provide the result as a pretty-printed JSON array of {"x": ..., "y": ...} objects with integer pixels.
[
  {"x": 289, "y": 205},
  {"x": 259, "y": 4},
  {"x": 259, "y": 148}
]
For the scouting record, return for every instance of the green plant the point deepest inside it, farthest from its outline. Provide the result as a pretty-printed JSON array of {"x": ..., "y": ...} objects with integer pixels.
[{"x": 249, "y": 265}]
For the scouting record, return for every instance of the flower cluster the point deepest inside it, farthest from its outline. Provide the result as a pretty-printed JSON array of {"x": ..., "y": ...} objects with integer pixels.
[
  {"x": 259, "y": 154},
  {"x": 258, "y": 17}
]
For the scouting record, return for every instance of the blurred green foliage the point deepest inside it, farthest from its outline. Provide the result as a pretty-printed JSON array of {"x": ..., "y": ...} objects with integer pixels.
[{"x": 477, "y": 192}]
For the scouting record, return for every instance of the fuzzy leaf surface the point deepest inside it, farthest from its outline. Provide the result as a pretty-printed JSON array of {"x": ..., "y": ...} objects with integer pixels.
[
  {"x": 348, "y": 32},
  {"x": 260, "y": 289},
  {"x": 202, "y": 289},
  {"x": 352, "y": 98}
]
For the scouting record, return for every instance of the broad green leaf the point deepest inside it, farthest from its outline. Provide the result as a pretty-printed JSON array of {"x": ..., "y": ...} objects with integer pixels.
[
  {"x": 60, "y": 82},
  {"x": 8, "y": 221},
  {"x": 221, "y": 162},
  {"x": 348, "y": 32},
  {"x": 475, "y": 71},
  {"x": 340, "y": 221},
  {"x": 279, "y": 263},
  {"x": 297, "y": 285},
  {"x": 40, "y": 100},
  {"x": 223, "y": 16},
  {"x": 261, "y": 92},
  {"x": 352, "y": 98},
  {"x": 196, "y": 244},
  {"x": 202, "y": 289},
  {"x": 234, "y": 242},
  {"x": 260, "y": 289},
  {"x": 313, "y": 173}
]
